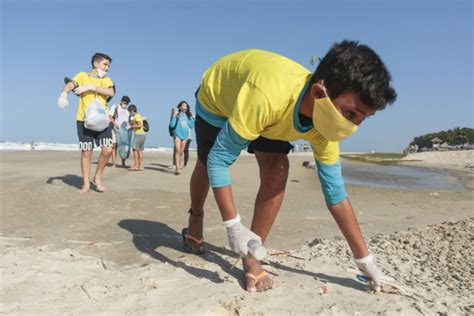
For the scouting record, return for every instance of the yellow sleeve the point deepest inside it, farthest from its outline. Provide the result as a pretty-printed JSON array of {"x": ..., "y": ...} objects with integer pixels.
[
  {"x": 81, "y": 79},
  {"x": 108, "y": 82},
  {"x": 251, "y": 112},
  {"x": 324, "y": 151}
]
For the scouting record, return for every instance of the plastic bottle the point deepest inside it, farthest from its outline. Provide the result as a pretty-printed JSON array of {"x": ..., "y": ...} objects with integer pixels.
[{"x": 256, "y": 250}]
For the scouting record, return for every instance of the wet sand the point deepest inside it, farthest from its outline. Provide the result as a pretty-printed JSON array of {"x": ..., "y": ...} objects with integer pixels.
[{"x": 120, "y": 252}]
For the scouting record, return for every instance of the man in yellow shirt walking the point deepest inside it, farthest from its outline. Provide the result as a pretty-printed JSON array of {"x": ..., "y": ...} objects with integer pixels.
[{"x": 92, "y": 87}]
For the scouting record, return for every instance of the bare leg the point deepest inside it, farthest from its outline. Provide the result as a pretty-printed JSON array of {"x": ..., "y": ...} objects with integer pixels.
[
  {"x": 103, "y": 158},
  {"x": 177, "y": 161},
  {"x": 273, "y": 176},
  {"x": 199, "y": 188},
  {"x": 86, "y": 157},
  {"x": 140, "y": 159},
  {"x": 174, "y": 155},
  {"x": 135, "y": 160},
  {"x": 114, "y": 155},
  {"x": 181, "y": 160},
  {"x": 179, "y": 144}
]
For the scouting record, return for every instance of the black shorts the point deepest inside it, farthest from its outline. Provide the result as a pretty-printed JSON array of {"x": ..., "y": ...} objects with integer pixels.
[
  {"x": 206, "y": 134},
  {"x": 87, "y": 137}
]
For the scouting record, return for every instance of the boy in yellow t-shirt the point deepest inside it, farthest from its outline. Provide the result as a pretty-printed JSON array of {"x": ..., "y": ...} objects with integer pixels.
[
  {"x": 261, "y": 101},
  {"x": 139, "y": 136},
  {"x": 91, "y": 86}
]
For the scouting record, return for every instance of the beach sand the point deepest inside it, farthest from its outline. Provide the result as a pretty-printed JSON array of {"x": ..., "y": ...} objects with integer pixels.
[{"x": 120, "y": 252}]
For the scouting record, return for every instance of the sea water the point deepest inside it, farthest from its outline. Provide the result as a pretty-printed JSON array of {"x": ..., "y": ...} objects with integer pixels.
[
  {"x": 400, "y": 177},
  {"x": 25, "y": 146}
]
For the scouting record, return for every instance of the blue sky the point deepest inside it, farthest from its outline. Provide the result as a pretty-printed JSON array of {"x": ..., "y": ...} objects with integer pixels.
[{"x": 160, "y": 50}]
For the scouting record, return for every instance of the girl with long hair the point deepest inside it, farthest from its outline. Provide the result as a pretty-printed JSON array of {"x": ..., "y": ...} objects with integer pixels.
[{"x": 182, "y": 120}]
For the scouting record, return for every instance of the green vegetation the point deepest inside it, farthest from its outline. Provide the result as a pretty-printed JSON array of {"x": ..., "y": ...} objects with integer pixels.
[
  {"x": 377, "y": 158},
  {"x": 452, "y": 137}
]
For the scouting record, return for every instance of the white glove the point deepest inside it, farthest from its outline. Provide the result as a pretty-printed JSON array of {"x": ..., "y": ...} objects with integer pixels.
[
  {"x": 239, "y": 236},
  {"x": 62, "y": 101},
  {"x": 81, "y": 89},
  {"x": 370, "y": 269}
]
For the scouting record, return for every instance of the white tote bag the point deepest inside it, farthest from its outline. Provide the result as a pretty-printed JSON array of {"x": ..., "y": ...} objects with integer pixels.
[{"x": 97, "y": 118}]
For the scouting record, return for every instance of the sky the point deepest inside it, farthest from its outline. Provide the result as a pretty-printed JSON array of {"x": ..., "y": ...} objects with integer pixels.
[{"x": 161, "y": 48}]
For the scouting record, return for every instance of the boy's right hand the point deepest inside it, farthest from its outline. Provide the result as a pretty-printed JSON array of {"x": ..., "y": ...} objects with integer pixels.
[{"x": 62, "y": 101}]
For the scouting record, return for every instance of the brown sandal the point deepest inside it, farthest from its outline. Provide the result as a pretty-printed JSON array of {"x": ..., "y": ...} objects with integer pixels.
[
  {"x": 197, "y": 247},
  {"x": 257, "y": 278}
]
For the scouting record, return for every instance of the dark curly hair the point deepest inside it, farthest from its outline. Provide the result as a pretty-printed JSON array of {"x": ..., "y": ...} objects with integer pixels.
[
  {"x": 353, "y": 67},
  {"x": 132, "y": 107},
  {"x": 188, "y": 110}
]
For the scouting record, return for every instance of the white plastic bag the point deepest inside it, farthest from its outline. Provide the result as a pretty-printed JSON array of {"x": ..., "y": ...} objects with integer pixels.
[{"x": 97, "y": 118}]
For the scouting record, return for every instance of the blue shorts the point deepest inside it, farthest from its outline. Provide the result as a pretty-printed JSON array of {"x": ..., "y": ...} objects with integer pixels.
[{"x": 87, "y": 137}]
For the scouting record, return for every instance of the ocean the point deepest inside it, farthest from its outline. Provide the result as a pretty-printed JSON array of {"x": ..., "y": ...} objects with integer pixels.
[{"x": 24, "y": 146}]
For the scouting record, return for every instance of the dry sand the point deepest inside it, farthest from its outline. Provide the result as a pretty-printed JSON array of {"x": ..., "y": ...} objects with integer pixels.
[
  {"x": 120, "y": 252},
  {"x": 455, "y": 160}
]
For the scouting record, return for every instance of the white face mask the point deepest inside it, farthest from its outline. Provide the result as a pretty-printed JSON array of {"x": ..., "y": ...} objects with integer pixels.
[
  {"x": 124, "y": 106},
  {"x": 101, "y": 73}
]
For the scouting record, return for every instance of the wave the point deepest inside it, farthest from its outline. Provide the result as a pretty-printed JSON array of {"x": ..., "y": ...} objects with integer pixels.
[{"x": 23, "y": 146}]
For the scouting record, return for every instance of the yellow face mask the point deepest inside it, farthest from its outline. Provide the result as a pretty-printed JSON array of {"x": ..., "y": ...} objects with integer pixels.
[{"x": 330, "y": 122}]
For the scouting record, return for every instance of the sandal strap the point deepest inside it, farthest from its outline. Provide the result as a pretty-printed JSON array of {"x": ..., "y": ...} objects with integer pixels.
[
  {"x": 197, "y": 241},
  {"x": 195, "y": 215},
  {"x": 255, "y": 278}
]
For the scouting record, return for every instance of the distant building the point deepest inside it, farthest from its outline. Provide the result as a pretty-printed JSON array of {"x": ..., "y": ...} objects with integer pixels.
[
  {"x": 468, "y": 146},
  {"x": 436, "y": 142},
  {"x": 445, "y": 146}
]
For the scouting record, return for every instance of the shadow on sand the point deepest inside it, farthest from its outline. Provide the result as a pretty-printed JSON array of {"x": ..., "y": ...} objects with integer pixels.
[
  {"x": 346, "y": 282},
  {"x": 160, "y": 169},
  {"x": 149, "y": 236},
  {"x": 69, "y": 179}
]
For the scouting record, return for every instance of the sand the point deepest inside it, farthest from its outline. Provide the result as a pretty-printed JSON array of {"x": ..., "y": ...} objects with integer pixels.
[
  {"x": 445, "y": 159},
  {"x": 120, "y": 252}
]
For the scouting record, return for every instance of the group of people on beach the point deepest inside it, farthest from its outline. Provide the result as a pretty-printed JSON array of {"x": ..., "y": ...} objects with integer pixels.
[
  {"x": 123, "y": 123},
  {"x": 125, "y": 119},
  {"x": 260, "y": 101}
]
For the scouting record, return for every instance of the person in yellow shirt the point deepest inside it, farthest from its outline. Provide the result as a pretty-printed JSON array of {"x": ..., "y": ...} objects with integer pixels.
[
  {"x": 139, "y": 137},
  {"x": 92, "y": 86},
  {"x": 261, "y": 100}
]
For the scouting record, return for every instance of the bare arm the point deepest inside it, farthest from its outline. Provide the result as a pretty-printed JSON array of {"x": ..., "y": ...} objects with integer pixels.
[
  {"x": 68, "y": 87},
  {"x": 225, "y": 202},
  {"x": 138, "y": 124},
  {"x": 108, "y": 92},
  {"x": 348, "y": 224}
]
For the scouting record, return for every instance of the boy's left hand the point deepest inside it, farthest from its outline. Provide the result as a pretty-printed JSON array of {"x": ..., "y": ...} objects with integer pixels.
[
  {"x": 370, "y": 269},
  {"x": 81, "y": 89}
]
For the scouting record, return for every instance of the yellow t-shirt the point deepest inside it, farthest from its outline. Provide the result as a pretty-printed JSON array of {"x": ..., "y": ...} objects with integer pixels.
[
  {"x": 84, "y": 78},
  {"x": 138, "y": 118},
  {"x": 257, "y": 91}
]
